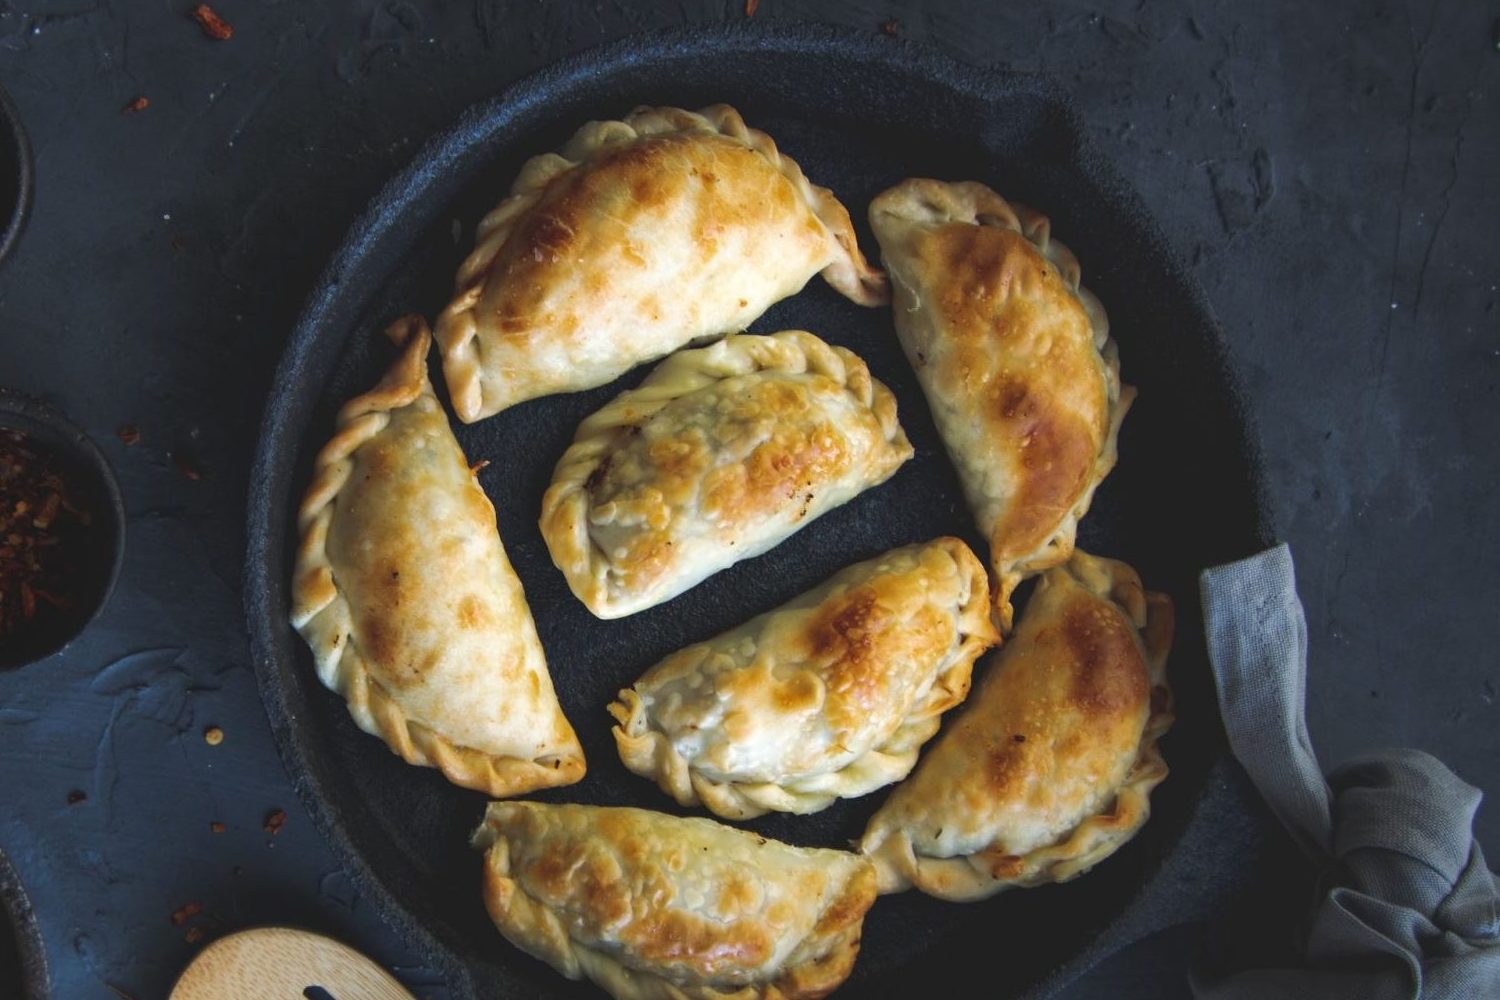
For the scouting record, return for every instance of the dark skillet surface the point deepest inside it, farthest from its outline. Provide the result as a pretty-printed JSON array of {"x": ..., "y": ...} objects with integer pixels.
[{"x": 858, "y": 116}]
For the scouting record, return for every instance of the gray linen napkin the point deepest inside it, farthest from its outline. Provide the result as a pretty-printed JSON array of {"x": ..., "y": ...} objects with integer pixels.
[{"x": 1412, "y": 911}]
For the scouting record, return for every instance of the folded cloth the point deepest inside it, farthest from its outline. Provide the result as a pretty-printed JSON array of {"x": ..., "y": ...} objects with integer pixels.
[{"x": 1412, "y": 910}]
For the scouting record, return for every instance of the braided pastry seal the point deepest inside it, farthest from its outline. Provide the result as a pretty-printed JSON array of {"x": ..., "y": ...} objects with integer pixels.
[
  {"x": 1049, "y": 768},
  {"x": 404, "y": 594},
  {"x": 640, "y": 236},
  {"x": 1015, "y": 359},
  {"x": 719, "y": 455}
]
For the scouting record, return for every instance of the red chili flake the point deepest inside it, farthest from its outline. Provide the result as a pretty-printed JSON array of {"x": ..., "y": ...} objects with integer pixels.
[
  {"x": 139, "y": 104},
  {"x": 186, "y": 912},
  {"x": 216, "y": 827},
  {"x": 213, "y": 25},
  {"x": 275, "y": 821},
  {"x": 41, "y": 543},
  {"x": 187, "y": 465},
  {"x": 44, "y": 517},
  {"x": 128, "y": 434},
  {"x": 194, "y": 935},
  {"x": 751, "y": 6},
  {"x": 76, "y": 796},
  {"x": 891, "y": 27},
  {"x": 477, "y": 466}
]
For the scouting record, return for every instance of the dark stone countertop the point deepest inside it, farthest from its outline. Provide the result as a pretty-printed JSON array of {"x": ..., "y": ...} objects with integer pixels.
[{"x": 1330, "y": 171}]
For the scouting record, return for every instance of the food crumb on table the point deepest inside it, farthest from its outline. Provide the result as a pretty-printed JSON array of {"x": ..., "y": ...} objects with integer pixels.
[
  {"x": 275, "y": 821},
  {"x": 213, "y": 25},
  {"x": 186, "y": 912},
  {"x": 187, "y": 465}
]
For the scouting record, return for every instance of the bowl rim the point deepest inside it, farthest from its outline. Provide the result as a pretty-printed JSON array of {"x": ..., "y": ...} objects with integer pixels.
[
  {"x": 23, "y": 929},
  {"x": 71, "y": 439},
  {"x": 10, "y": 119}
]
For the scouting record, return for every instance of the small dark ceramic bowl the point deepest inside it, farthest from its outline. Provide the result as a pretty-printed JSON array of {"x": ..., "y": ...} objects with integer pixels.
[
  {"x": 83, "y": 466},
  {"x": 15, "y": 176},
  {"x": 23, "y": 962}
]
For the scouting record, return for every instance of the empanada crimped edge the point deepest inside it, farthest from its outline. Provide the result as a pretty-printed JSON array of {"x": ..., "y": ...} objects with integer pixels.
[
  {"x": 983, "y": 873},
  {"x": 564, "y": 515},
  {"x": 457, "y": 329},
  {"x": 649, "y": 751},
  {"x": 322, "y": 613},
  {"x": 931, "y": 202}
]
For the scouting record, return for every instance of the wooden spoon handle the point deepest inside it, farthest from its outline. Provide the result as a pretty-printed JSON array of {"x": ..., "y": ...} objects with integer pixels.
[{"x": 282, "y": 963}]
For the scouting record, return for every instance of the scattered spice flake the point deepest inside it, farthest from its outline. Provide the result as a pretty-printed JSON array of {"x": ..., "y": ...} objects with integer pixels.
[
  {"x": 129, "y": 435},
  {"x": 477, "y": 466},
  {"x": 275, "y": 821},
  {"x": 76, "y": 796},
  {"x": 751, "y": 6},
  {"x": 194, "y": 935},
  {"x": 139, "y": 104},
  {"x": 216, "y": 827},
  {"x": 187, "y": 465},
  {"x": 39, "y": 548},
  {"x": 213, "y": 736},
  {"x": 213, "y": 25},
  {"x": 186, "y": 912},
  {"x": 891, "y": 27}
]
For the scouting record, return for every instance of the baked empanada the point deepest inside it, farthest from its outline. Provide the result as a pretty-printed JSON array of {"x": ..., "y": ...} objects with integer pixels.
[
  {"x": 828, "y": 696},
  {"x": 1015, "y": 359},
  {"x": 1050, "y": 766},
  {"x": 640, "y": 236},
  {"x": 404, "y": 593},
  {"x": 657, "y": 907},
  {"x": 720, "y": 454}
]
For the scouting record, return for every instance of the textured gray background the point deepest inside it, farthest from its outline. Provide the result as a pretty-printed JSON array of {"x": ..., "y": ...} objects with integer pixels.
[{"x": 1332, "y": 172}]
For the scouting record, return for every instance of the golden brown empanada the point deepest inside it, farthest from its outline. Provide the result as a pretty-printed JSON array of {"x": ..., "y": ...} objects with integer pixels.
[
  {"x": 657, "y": 907},
  {"x": 828, "y": 696},
  {"x": 1050, "y": 766},
  {"x": 719, "y": 455},
  {"x": 412, "y": 610},
  {"x": 1015, "y": 359},
  {"x": 640, "y": 236}
]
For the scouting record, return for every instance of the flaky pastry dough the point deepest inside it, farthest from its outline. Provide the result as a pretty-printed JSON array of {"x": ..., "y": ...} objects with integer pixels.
[
  {"x": 404, "y": 594},
  {"x": 640, "y": 236},
  {"x": 828, "y": 696},
  {"x": 1015, "y": 358},
  {"x": 719, "y": 455},
  {"x": 657, "y": 907},
  {"x": 1049, "y": 767}
]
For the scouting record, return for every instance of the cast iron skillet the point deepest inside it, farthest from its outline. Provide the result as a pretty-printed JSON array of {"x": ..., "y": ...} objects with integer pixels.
[{"x": 859, "y": 113}]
